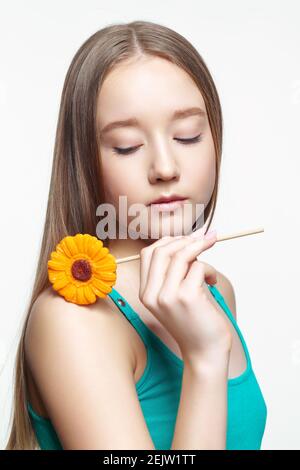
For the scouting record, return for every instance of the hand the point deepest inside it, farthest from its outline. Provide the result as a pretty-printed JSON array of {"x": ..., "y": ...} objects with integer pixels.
[{"x": 172, "y": 287}]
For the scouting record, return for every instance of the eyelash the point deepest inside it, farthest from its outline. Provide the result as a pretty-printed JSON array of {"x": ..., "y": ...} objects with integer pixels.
[{"x": 127, "y": 151}]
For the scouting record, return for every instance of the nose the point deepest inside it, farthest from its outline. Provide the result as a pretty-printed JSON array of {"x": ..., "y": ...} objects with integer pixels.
[{"x": 163, "y": 165}]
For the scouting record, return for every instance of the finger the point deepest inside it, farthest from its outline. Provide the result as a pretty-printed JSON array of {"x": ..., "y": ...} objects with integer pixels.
[
  {"x": 198, "y": 233},
  {"x": 180, "y": 263},
  {"x": 145, "y": 259},
  {"x": 159, "y": 262},
  {"x": 198, "y": 274}
]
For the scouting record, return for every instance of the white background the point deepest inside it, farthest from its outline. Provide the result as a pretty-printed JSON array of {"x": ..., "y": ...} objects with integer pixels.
[{"x": 252, "y": 50}]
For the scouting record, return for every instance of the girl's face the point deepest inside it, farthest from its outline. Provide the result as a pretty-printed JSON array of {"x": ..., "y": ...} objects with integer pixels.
[{"x": 149, "y": 91}]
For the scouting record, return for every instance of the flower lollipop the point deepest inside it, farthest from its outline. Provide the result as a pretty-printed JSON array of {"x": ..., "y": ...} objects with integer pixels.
[{"x": 82, "y": 269}]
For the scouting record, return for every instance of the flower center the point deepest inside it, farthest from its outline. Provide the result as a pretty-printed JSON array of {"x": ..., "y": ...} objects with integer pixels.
[{"x": 81, "y": 270}]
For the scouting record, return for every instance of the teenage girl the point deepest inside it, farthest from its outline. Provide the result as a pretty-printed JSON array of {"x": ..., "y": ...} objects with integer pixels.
[{"x": 160, "y": 363}]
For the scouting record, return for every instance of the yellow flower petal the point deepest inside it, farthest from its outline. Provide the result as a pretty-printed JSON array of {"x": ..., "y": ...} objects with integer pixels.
[
  {"x": 86, "y": 241},
  {"x": 72, "y": 247},
  {"x": 102, "y": 286},
  {"x": 105, "y": 266},
  {"x": 98, "y": 292},
  {"x": 103, "y": 252},
  {"x": 105, "y": 276},
  {"x": 89, "y": 294},
  {"x": 79, "y": 240},
  {"x": 69, "y": 292},
  {"x": 59, "y": 257},
  {"x": 60, "y": 283},
  {"x": 55, "y": 275},
  {"x": 80, "y": 296},
  {"x": 93, "y": 247},
  {"x": 108, "y": 262},
  {"x": 56, "y": 265},
  {"x": 63, "y": 248}
]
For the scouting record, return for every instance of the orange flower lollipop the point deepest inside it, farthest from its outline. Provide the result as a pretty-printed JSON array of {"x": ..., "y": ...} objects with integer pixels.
[{"x": 82, "y": 269}]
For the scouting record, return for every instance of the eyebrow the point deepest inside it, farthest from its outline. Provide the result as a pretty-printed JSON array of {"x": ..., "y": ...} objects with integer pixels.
[{"x": 133, "y": 122}]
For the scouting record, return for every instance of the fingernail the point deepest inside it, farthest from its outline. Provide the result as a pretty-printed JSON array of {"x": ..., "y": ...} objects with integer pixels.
[{"x": 211, "y": 234}]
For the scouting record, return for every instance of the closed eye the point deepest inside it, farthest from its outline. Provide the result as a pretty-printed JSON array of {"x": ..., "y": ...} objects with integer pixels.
[
  {"x": 128, "y": 150},
  {"x": 191, "y": 140}
]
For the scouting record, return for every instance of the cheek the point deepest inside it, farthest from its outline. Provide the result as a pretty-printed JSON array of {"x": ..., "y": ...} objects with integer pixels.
[
  {"x": 119, "y": 180},
  {"x": 201, "y": 173}
]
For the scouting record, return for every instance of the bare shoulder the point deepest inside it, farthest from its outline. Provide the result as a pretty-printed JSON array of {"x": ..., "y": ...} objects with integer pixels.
[
  {"x": 83, "y": 366},
  {"x": 226, "y": 288},
  {"x": 52, "y": 316}
]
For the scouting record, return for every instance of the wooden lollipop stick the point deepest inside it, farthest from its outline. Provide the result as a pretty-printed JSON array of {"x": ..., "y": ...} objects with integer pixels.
[
  {"x": 219, "y": 239},
  {"x": 240, "y": 234}
]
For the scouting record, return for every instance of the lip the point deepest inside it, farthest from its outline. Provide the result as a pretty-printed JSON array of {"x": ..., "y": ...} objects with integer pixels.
[
  {"x": 168, "y": 199},
  {"x": 168, "y": 206}
]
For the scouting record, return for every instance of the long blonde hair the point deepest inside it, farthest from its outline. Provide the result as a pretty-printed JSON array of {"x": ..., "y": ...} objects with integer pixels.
[{"x": 75, "y": 188}]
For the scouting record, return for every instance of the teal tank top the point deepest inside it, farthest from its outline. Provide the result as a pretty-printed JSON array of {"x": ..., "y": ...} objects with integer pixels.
[{"x": 159, "y": 389}]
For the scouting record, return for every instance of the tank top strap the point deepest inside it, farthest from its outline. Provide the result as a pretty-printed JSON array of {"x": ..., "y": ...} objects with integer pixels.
[
  {"x": 132, "y": 317},
  {"x": 122, "y": 304},
  {"x": 220, "y": 299}
]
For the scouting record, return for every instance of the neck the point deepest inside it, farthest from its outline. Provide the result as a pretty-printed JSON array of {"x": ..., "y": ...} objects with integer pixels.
[
  {"x": 128, "y": 273},
  {"x": 121, "y": 248}
]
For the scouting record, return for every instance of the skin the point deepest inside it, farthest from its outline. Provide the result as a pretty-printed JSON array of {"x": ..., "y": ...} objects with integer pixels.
[{"x": 161, "y": 164}]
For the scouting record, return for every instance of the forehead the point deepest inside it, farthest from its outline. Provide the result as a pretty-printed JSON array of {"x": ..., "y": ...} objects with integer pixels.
[{"x": 146, "y": 87}]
